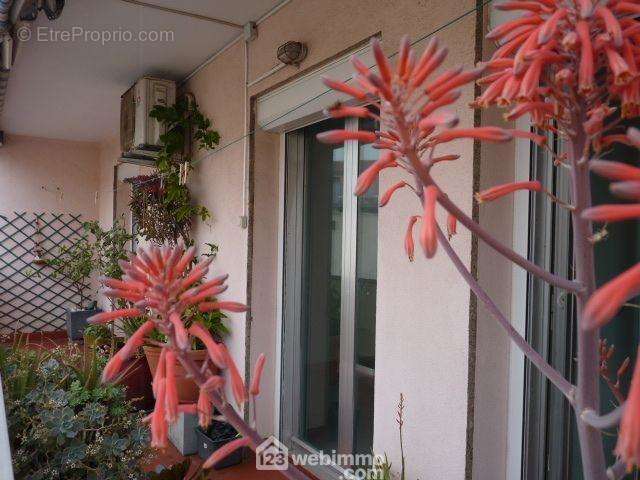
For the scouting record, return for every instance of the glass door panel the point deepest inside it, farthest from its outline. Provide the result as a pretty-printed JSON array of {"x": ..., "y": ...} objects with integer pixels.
[
  {"x": 321, "y": 287},
  {"x": 329, "y": 294}
]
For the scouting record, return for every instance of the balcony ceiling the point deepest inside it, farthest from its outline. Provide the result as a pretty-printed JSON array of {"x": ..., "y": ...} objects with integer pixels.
[{"x": 71, "y": 89}]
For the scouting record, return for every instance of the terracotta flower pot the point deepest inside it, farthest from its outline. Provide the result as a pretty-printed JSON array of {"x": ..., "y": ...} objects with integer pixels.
[
  {"x": 138, "y": 379},
  {"x": 187, "y": 389}
]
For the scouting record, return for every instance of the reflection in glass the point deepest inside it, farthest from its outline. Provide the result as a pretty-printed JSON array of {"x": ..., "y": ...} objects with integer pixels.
[
  {"x": 365, "y": 311},
  {"x": 321, "y": 284}
]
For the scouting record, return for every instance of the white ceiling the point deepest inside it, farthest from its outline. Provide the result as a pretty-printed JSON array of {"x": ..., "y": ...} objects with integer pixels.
[{"x": 71, "y": 90}]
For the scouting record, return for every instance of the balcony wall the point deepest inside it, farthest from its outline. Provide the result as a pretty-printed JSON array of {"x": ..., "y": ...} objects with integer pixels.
[{"x": 39, "y": 174}]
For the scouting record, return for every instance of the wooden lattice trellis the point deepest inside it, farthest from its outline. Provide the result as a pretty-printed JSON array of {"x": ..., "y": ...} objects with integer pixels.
[{"x": 32, "y": 296}]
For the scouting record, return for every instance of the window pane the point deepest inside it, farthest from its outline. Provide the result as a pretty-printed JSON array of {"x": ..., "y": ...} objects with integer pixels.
[
  {"x": 619, "y": 251},
  {"x": 321, "y": 284},
  {"x": 552, "y": 448}
]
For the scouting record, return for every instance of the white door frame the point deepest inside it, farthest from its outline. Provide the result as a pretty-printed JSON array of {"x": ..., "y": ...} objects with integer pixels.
[
  {"x": 515, "y": 406},
  {"x": 294, "y": 105},
  {"x": 287, "y": 428}
]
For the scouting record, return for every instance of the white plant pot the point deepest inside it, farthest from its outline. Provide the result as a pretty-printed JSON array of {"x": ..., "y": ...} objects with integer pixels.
[{"x": 183, "y": 435}]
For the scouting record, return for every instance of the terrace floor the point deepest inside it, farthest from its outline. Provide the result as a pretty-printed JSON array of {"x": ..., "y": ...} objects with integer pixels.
[{"x": 245, "y": 471}]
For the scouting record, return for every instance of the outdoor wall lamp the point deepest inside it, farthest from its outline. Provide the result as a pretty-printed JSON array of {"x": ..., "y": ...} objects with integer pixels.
[{"x": 292, "y": 53}]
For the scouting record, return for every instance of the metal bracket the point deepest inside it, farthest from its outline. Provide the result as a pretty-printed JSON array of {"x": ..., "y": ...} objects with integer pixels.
[{"x": 250, "y": 31}]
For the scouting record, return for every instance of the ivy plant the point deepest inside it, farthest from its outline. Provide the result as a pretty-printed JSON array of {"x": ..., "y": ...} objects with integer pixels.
[{"x": 162, "y": 203}]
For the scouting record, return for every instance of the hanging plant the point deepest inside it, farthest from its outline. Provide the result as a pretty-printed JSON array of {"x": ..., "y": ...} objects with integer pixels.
[{"x": 161, "y": 203}]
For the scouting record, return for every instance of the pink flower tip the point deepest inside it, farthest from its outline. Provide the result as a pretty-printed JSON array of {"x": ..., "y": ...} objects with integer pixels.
[{"x": 340, "y": 136}]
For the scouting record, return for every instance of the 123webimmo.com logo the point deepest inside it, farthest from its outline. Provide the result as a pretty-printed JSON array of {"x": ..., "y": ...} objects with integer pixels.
[{"x": 272, "y": 455}]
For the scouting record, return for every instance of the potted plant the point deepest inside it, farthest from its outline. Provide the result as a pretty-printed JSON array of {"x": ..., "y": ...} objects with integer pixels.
[
  {"x": 96, "y": 251},
  {"x": 161, "y": 203},
  {"x": 75, "y": 263},
  {"x": 215, "y": 437},
  {"x": 136, "y": 377},
  {"x": 182, "y": 432},
  {"x": 213, "y": 321},
  {"x": 111, "y": 246}
]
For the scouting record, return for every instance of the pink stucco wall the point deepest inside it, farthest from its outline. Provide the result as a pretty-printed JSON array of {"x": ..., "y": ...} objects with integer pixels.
[{"x": 38, "y": 174}]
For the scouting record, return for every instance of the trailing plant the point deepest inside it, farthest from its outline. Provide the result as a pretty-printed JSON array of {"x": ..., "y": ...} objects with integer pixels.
[
  {"x": 572, "y": 66},
  {"x": 63, "y": 423},
  {"x": 162, "y": 203}
]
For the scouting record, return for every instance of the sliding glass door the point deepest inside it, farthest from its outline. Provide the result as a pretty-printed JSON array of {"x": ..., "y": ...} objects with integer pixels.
[{"x": 329, "y": 299}]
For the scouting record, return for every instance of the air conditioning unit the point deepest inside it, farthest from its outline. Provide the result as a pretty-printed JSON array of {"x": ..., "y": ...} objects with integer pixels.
[{"x": 139, "y": 133}]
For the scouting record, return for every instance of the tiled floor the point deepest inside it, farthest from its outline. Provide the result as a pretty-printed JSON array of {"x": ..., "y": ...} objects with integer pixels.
[
  {"x": 244, "y": 471},
  {"x": 47, "y": 340}
]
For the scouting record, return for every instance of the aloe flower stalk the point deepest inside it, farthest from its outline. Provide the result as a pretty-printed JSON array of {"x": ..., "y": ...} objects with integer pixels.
[
  {"x": 598, "y": 41},
  {"x": 162, "y": 283},
  {"x": 572, "y": 67}
]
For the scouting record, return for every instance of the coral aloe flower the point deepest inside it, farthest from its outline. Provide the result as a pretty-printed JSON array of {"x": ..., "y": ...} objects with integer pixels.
[
  {"x": 396, "y": 92},
  {"x": 608, "y": 299},
  {"x": 555, "y": 50},
  {"x": 628, "y": 446},
  {"x": 163, "y": 286}
]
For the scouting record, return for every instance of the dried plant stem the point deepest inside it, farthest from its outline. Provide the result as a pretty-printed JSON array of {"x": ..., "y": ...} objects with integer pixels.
[
  {"x": 587, "y": 392},
  {"x": 400, "y": 421},
  {"x": 547, "y": 370}
]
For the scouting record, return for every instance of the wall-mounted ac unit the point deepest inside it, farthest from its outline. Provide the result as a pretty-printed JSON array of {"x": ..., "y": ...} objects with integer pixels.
[{"x": 139, "y": 133}]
